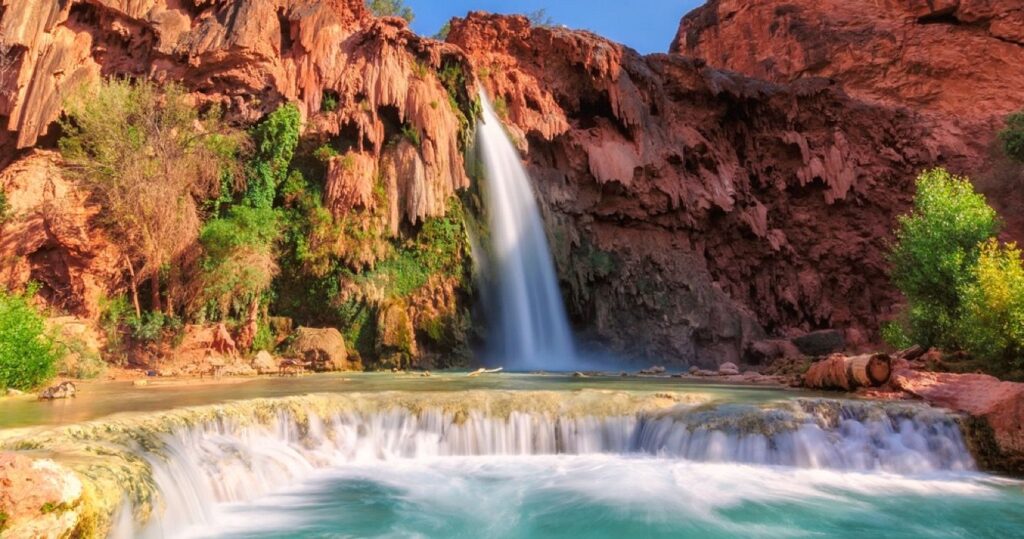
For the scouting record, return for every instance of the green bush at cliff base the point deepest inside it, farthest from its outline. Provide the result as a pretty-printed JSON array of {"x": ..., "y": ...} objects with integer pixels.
[
  {"x": 936, "y": 247},
  {"x": 28, "y": 355},
  {"x": 992, "y": 323},
  {"x": 1012, "y": 136}
]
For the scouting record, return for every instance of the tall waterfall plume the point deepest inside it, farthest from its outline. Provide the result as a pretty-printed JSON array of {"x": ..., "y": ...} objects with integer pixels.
[{"x": 532, "y": 331}]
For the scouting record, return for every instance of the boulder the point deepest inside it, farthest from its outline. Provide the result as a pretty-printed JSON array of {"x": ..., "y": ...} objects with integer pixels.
[
  {"x": 728, "y": 369},
  {"x": 323, "y": 348},
  {"x": 264, "y": 363},
  {"x": 62, "y": 390},
  {"x": 768, "y": 350},
  {"x": 26, "y": 486},
  {"x": 396, "y": 339},
  {"x": 820, "y": 343}
]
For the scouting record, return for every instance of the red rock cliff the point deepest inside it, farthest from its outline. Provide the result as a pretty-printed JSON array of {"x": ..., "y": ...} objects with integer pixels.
[
  {"x": 694, "y": 206},
  {"x": 690, "y": 209},
  {"x": 248, "y": 58},
  {"x": 959, "y": 62}
]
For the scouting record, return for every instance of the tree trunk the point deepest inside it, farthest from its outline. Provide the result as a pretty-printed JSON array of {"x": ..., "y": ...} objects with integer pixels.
[
  {"x": 134, "y": 286},
  {"x": 154, "y": 292},
  {"x": 844, "y": 372},
  {"x": 247, "y": 333}
]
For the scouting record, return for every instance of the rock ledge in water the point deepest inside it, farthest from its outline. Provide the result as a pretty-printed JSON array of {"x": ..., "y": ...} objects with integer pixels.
[{"x": 62, "y": 390}]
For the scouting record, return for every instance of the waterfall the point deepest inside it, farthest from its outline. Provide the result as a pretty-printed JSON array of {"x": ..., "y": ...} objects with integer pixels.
[
  {"x": 532, "y": 330},
  {"x": 223, "y": 459}
]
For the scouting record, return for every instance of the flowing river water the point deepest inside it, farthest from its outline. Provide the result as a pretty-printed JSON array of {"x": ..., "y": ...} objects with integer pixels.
[{"x": 517, "y": 456}]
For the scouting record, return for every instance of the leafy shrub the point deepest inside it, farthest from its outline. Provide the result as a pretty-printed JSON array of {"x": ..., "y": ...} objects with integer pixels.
[
  {"x": 275, "y": 141},
  {"x": 325, "y": 153},
  {"x": 239, "y": 262},
  {"x": 936, "y": 247},
  {"x": 153, "y": 326},
  {"x": 895, "y": 335},
  {"x": 329, "y": 102},
  {"x": 992, "y": 326},
  {"x": 390, "y": 8},
  {"x": 412, "y": 134},
  {"x": 1012, "y": 136},
  {"x": 28, "y": 354}
]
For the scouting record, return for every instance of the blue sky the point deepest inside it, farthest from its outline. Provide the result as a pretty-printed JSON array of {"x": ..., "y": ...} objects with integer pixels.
[{"x": 646, "y": 25}]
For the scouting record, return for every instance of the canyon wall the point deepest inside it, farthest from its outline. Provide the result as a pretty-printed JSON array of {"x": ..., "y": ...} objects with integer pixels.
[
  {"x": 957, "y": 63},
  {"x": 696, "y": 207},
  {"x": 691, "y": 210}
]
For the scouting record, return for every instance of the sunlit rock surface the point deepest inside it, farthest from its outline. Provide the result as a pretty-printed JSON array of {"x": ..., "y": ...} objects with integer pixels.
[{"x": 696, "y": 206}]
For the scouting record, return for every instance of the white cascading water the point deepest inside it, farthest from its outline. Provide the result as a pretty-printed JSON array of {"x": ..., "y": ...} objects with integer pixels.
[
  {"x": 532, "y": 331},
  {"x": 220, "y": 461}
]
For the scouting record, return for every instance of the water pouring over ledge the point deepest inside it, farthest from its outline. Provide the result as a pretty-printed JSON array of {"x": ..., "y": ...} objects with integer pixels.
[{"x": 532, "y": 331}]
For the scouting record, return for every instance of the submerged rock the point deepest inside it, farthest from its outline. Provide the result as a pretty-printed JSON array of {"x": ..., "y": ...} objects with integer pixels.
[
  {"x": 62, "y": 390},
  {"x": 728, "y": 369}
]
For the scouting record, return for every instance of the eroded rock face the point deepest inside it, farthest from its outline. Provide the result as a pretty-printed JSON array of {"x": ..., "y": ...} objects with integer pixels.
[
  {"x": 957, "y": 61},
  {"x": 51, "y": 236},
  {"x": 350, "y": 74},
  {"x": 699, "y": 207},
  {"x": 696, "y": 204}
]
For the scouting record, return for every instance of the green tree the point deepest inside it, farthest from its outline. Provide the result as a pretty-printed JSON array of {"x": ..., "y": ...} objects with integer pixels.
[
  {"x": 391, "y": 8},
  {"x": 147, "y": 156},
  {"x": 992, "y": 325},
  {"x": 936, "y": 247},
  {"x": 540, "y": 18},
  {"x": 28, "y": 355},
  {"x": 1012, "y": 136},
  {"x": 442, "y": 34}
]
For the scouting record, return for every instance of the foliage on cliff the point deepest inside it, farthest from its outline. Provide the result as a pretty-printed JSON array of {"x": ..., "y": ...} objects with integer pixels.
[
  {"x": 391, "y": 8},
  {"x": 150, "y": 159},
  {"x": 28, "y": 354},
  {"x": 1012, "y": 136},
  {"x": 231, "y": 226}
]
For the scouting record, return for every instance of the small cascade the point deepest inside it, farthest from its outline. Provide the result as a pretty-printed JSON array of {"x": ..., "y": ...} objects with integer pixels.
[
  {"x": 195, "y": 467},
  {"x": 532, "y": 330}
]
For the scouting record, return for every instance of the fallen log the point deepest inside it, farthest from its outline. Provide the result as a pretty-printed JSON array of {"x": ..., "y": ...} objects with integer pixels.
[
  {"x": 838, "y": 371},
  {"x": 482, "y": 370}
]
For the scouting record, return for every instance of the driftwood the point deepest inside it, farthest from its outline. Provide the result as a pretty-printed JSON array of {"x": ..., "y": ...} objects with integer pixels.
[
  {"x": 292, "y": 367},
  {"x": 849, "y": 372},
  {"x": 482, "y": 370}
]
